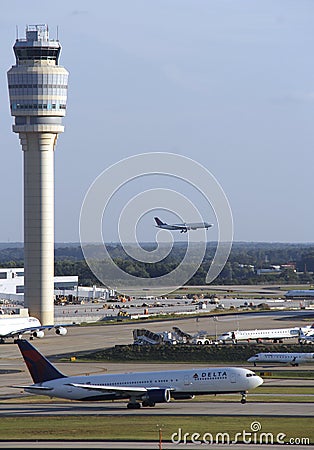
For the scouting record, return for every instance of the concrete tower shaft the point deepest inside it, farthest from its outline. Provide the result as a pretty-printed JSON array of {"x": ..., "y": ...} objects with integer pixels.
[{"x": 38, "y": 95}]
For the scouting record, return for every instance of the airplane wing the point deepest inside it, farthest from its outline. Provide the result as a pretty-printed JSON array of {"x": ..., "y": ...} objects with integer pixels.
[
  {"x": 21, "y": 331},
  {"x": 126, "y": 389},
  {"x": 180, "y": 227},
  {"x": 26, "y": 330},
  {"x": 118, "y": 389}
]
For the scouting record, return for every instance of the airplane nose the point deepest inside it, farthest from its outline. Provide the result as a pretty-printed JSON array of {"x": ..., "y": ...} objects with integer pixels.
[
  {"x": 256, "y": 381},
  {"x": 253, "y": 359}
]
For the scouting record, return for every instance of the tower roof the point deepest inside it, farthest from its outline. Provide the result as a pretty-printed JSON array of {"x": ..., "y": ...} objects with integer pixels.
[{"x": 36, "y": 45}]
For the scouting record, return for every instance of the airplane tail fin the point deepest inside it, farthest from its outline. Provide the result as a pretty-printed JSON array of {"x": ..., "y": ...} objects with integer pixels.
[
  {"x": 39, "y": 367},
  {"x": 158, "y": 221}
]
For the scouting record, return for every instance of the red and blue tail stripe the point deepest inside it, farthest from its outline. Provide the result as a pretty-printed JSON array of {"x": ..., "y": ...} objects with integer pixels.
[{"x": 39, "y": 367}]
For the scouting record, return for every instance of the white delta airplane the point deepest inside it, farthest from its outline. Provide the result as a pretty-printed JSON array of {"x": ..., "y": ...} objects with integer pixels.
[
  {"x": 146, "y": 388},
  {"x": 286, "y": 358},
  {"x": 273, "y": 334},
  {"x": 12, "y": 327},
  {"x": 183, "y": 227}
]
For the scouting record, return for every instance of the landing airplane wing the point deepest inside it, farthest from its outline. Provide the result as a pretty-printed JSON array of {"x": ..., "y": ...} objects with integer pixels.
[{"x": 178, "y": 226}]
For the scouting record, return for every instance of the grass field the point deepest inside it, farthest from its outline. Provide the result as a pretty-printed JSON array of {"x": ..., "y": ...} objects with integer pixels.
[
  {"x": 291, "y": 374},
  {"x": 146, "y": 428}
]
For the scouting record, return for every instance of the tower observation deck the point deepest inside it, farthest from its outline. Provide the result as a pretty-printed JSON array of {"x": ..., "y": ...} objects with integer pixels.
[{"x": 38, "y": 94}]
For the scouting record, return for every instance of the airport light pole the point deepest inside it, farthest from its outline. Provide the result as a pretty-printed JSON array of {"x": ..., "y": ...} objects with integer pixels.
[{"x": 38, "y": 95}]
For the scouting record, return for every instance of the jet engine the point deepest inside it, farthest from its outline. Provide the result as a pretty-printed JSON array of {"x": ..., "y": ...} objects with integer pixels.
[
  {"x": 38, "y": 334},
  {"x": 157, "y": 396},
  {"x": 61, "y": 331}
]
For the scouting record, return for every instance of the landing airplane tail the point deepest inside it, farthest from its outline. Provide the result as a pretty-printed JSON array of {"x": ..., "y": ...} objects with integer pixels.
[
  {"x": 158, "y": 221},
  {"x": 39, "y": 367}
]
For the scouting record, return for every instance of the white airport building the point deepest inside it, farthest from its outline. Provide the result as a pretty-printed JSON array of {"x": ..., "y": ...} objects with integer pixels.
[{"x": 12, "y": 287}]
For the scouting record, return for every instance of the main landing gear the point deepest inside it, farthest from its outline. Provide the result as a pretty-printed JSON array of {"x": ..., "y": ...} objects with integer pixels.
[
  {"x": 243, "y": 399},
  {"x": 137, "y": 405},
  {"x": 134, "y": 405},
  {"x": 146, "y": 403}
]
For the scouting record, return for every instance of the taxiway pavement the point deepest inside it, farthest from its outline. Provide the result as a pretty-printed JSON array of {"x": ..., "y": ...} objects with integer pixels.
[{"x": 225, "y": 408}]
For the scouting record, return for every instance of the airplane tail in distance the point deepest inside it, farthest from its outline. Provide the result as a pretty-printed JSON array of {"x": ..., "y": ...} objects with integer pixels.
[
  {"x": 158, "y": 221},
  {"x": 39, "y": 367}
]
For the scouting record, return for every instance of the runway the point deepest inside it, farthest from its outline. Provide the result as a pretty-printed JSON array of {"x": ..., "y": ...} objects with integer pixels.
[{"x": 191, "y": 408}]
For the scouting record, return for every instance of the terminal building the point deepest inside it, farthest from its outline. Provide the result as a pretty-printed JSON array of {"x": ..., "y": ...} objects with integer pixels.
[
  {"x": 12, "y": 284},
  {"x": 12, "y": 287}
]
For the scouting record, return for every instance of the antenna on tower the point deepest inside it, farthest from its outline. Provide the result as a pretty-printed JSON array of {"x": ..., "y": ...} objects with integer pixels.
[
  {"x": 17, "y": 32},
  {"x": 57, "y": 32}
]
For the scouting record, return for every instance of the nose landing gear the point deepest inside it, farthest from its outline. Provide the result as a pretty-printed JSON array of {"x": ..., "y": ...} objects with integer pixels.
[{"x": 243, "y": 399}]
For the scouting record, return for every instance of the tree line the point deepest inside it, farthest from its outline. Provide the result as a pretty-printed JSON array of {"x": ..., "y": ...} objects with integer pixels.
[{"x": 241, "y": 267}]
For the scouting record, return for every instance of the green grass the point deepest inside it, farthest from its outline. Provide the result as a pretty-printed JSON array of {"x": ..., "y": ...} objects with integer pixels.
[
  {"x": 143, "y": 428},
  {"x": 285, "y": 390},
  {"x": 256, "y": 398},
  {"x": 291, "y": 374}
]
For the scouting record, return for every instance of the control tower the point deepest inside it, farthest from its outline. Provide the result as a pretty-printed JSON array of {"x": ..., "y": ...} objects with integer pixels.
[{"x": 38, "y": 95}]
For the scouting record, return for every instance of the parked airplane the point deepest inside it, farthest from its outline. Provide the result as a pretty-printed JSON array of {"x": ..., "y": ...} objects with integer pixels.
[
  {"x": 306, "y": 338},
  {"x": 183, "y": 227},
  {"x": 12, "y": 327},
  {"x": 275, "y": 334},
  {"x": 147, "y": 388},
  {"x": 287, "y": 358}
]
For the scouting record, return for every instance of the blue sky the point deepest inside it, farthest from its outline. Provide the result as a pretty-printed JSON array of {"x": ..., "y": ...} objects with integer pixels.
[{"x": 228, "y": 84}]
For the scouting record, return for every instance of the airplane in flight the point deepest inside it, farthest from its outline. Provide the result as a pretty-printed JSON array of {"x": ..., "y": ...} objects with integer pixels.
[
  {"x": 139, "y": 388},
  {"x": 287, "y": 358},
  {"x": 12, "y": 327},
  {"x": 274, "y": 334},
  {"x": 183, "y": 227}
]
